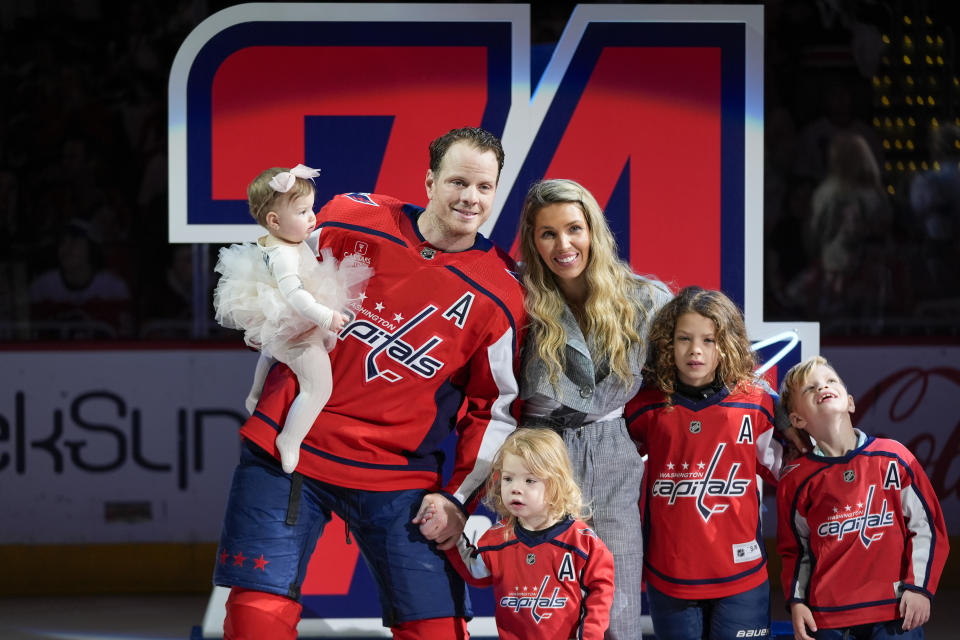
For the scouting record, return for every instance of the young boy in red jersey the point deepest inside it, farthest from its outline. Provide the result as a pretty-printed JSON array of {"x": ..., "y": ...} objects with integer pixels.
[{"x": 860, "y": 529}]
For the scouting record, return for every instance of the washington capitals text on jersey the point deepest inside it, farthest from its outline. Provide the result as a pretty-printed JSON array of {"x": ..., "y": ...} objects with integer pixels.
[
  {"x": 415, "y": 358},
  {"x": 703, "y": 483},
  {"x": 855, "y": 531},
  {"x": 700, "y": 489},
  {"x": 432, "y": 333},
  {"x": 556, "y": 583}
]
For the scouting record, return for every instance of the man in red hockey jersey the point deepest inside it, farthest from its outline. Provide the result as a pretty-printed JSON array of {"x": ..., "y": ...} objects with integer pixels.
[
  {"x": 860, "y": 529},
  {"x": 434, "y": 335}
]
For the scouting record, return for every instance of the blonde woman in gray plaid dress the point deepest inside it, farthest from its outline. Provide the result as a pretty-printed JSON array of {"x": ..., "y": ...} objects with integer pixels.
[{"x": 583, "y": 360}]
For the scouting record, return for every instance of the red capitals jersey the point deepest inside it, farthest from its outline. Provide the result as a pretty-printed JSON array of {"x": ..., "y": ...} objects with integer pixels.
[
  {"x": 701, "y": 502},
  {"x": 554, "y": 584},
  {"x": 857, "y": 530},
  {"x": 434, "y": 336}
]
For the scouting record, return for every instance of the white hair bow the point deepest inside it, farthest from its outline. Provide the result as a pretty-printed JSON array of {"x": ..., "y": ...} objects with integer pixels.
[{"x": 284, "y": 181}]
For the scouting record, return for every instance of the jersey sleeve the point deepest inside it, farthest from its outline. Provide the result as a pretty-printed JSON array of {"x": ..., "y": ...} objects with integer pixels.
[
  {"x": 769, "y": 449},
  {"x": 598, "y": 587},
  {"x": 469, "y": 564},
  {"x": 793, "y": 545},
  {"x": 780, "y": 418},
  {"x": 489, "y": 383},
  {"x": 926, "y": 544},
  {"x": 638, "y": 414}
]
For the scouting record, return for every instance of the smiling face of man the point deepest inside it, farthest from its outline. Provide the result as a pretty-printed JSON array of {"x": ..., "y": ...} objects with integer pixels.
[{"x": 460, "y": 196}]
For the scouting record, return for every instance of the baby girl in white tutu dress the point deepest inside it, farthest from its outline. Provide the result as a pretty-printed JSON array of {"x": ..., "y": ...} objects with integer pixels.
[{"x": 286, "y": 302}]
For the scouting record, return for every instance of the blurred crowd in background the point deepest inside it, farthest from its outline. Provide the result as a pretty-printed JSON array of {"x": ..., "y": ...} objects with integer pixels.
[
  {"x": 861, "y": 176},
  {"x": 862, "y": 166}
]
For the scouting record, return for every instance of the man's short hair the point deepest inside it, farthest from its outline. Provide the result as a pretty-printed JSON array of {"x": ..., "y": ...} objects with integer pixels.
[{"x": 479, "y": 138}]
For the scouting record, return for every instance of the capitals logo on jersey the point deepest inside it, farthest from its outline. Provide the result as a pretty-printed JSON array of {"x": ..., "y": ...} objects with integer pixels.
[
  {"x": 858, "y": 519},
  {"x": 386, "y": 338},
  {"x": 700, "y": 481},
  {"x": 390, "y": 345},
  {"x": 539, "y": 602},
  {"x": 358, "y": 103}
]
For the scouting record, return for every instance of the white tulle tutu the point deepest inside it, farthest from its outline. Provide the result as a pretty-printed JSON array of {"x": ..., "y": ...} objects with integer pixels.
[{"x": 247, "y": 297}]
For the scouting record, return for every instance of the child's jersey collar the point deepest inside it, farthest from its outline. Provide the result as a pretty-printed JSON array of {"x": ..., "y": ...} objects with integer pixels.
[
  {"x": 699, "y": 393},
  {"x": 861, "y": 440}
]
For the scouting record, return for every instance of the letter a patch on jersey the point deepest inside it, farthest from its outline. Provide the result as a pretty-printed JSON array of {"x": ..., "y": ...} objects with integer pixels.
[
  {"x": 566, "y": 571},
  {"x": 460, "y": 309},
  {"x": 891, "y": 479},
  {"x": 746, "y": 431}
]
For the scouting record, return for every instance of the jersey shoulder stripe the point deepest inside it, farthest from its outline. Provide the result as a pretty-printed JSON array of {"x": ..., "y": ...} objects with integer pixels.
[
  {"x": 362, "y": 229},
  {"x": 570, "y": 547},
  {"x": 498, "y": 547},
  {"x": 645, "y": 401},
  {"x": 485, "y": 291},
  {"x": 885, "y": 448},
  {"x": 750, "y": 406}
]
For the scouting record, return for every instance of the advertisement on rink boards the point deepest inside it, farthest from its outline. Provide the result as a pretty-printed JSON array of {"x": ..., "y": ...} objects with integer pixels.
[
  {"x": 119, "y": 446},
  {"x": 93, "y": 449}
]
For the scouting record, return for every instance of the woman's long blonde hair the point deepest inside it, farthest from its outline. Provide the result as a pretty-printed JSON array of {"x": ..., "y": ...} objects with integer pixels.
[
  {"x": 612, "y": 310},
  {"x": 545, "y": 456}
]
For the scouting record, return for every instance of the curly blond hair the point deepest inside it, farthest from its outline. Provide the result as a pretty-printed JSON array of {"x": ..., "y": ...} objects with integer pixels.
[
  {"x": 545, "y": 456},
  {"x": 737, "y": 360},
  {"x": 612, "y": 309},
  {"x": 797, "y": 376},
  {"x": 262, "y": 198}
]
